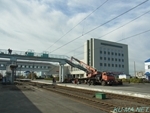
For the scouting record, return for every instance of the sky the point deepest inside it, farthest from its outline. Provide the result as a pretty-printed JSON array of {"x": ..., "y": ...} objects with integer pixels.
[{"x": 62, "y": 26}]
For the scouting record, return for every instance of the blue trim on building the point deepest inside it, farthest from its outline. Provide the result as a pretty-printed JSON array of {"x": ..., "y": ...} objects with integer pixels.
[
  {"x": 147, "y": 60},
  {"x": 147, "y": 73}
]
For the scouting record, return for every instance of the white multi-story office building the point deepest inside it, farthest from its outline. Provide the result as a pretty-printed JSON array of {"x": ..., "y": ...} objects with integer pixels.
[
  {"x": 102, "y": 55},
  {"x": 106, "y": 55}
]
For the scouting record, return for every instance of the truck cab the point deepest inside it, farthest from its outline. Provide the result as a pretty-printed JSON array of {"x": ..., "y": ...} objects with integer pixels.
[{"x": 107, "y": 78}]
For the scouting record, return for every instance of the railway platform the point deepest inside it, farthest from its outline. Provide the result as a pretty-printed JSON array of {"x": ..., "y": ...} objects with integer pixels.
[
  {"x": 135, "y": 90},
  {"x": 27, "y": 99}
]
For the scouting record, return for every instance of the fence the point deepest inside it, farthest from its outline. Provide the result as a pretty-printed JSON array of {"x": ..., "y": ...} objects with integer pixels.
[{"x": 34, "y": 54}]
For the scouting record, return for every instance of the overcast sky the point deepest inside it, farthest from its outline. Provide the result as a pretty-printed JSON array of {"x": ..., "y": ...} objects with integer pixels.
[{"x": 46, "y": 25}]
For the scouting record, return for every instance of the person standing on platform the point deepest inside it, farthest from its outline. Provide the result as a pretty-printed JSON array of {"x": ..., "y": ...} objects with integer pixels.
[
  {"x": 77, "y": 81},
  {"x": 54, "y": 82},
  {"x": 9, "y": 51}
]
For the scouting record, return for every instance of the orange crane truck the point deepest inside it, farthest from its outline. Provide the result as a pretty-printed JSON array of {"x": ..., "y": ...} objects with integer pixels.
[{"x": 97, "y": 77}]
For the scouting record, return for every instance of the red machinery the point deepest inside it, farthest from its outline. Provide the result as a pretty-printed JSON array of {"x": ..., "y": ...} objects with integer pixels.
[{"x": 97, "y": 77}]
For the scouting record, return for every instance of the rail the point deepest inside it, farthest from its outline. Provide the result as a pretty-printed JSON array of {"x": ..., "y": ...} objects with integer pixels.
[{"x": 109, "y": 104}]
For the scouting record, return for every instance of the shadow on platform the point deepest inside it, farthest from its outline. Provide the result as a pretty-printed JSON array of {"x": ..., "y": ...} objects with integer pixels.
[{"x": 12, "y": 100}]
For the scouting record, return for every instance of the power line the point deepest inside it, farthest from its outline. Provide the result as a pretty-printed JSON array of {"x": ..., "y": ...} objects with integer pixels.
[
  {"x": 114, "y": 29},
  {"x": 100, "y": 25},
  {"x": 78, "y": 24},
  {"x": 122, "y": 39},
  {"x": 134, "y": 35},
  {"x": 117, "y": 41},
  {"x": 74, "y": 49}
]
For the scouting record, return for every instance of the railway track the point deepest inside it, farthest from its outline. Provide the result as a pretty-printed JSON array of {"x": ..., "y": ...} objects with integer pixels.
[
  {"x": 104, "y": 106},
  {"x": 116, "y": 96},
  {"x": 87, "y": 97}
]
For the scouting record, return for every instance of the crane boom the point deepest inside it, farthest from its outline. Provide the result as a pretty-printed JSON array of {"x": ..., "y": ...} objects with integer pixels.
[{"x": 90, "y": 70}]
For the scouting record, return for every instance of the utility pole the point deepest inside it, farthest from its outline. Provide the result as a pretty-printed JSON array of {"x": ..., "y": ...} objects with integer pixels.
[{"x": 134, "y": 69}]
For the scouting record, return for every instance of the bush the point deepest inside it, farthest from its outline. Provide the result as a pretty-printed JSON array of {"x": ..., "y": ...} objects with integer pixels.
[
  {"x": 135, "y": 80},
  {"x": 48, "y": 78},
  {"x": 57, "y": 78},
  {"x": 125, "y": 80}
]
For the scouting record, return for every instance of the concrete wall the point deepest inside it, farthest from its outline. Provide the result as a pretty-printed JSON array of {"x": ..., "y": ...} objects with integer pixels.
[{"x": 107, "y": 56}]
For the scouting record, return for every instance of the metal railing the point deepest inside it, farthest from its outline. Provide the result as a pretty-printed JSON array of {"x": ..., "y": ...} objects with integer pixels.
[{"x": 34, "y": 54}]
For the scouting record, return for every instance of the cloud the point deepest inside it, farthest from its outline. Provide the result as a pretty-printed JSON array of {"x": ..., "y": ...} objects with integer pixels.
[{"x": 38, "y": 24}]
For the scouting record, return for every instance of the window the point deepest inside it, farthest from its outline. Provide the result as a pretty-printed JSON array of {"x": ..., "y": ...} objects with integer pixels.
[
  {"x": 119, "y": 60},
  {"x": 109, "y": 59},
  {"x": 115, "y": 65},
  {"x": 105, "y": 64},
  {"x": 148, "y": 66},
  {"x": 104, "y": 52},
  {"x": 101, "y": 52},
  {"x": 116, "y": 54},
  {"x": 108, "y": 65},
  {"x": 119, "y": 65},
  {"x": 101, "y": 64},
  {"x": 122, "y": 66},
  {"x": 115, "y": 59},
  {"x": 104, "y": 58},
  {"x": 122, "y": 60},
  {"x": 112, "y": 65},
  {"x": 112, "y": 59},
  {"x": 108, "y": 53},
  {"x": 112, "y": 53},
  {"x": 101, "y": 58},
  {"x": 122, "y": 54}
]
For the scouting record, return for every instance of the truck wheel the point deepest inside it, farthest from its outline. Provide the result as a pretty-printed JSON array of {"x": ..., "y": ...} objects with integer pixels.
[
  {"x": 103, "y": 83},
  {"x": 93, "y": 83}
]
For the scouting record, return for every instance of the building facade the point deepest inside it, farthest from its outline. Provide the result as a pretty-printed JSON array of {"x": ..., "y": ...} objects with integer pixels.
[
  {"x": 147, "y": 69},
  {"x": 147, "y": 66},
  {"x": 106, "y": 55},
  {"x": 102, "y": 55}
]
